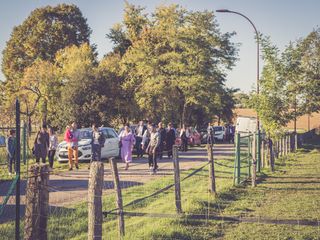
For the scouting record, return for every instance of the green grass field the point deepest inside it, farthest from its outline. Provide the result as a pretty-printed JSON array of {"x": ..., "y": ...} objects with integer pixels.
[{"x": 291, "y": 192}]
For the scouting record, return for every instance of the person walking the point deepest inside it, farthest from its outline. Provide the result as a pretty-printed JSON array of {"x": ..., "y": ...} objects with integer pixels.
[
  {"x": 171, "y": 138},
  {"x": 41, "y": 144},
  {"x": 127, "y": 143},
  {"x": 184, "y": 135},
  {"x": 146, "y": 138},
  {"x": 11, "y": 149},
  {"x": 162, "y": 134},
  {"x": 152, "y": 149},
  {"x": 140, "y": 130},
  {"x": 53, "y": 144},
  {"x": 97, "y": 143},
  {"x": 74, "y": 137}
]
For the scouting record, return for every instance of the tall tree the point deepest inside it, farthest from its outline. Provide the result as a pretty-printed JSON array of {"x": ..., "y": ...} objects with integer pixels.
[
  {"x": 310, "y": 65},
  {"x": 271, "y": 104},
  {"x": 40, "y": 90},
  {"x": 41, "y": 35},
  {"x": 176, "y": 62}
]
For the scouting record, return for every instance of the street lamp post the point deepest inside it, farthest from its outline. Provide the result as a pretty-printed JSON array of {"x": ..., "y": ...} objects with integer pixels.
[{"x": 258, "y": 90}]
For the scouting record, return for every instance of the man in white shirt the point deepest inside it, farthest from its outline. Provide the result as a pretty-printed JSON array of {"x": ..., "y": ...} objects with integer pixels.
[{"x": 152, "y": 149}]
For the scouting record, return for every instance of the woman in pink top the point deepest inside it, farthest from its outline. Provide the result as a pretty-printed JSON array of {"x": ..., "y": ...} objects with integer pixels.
[{"x": 127, "y": 142}]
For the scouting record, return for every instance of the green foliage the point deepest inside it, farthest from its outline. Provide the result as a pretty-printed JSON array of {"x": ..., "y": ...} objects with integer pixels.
[
  {"x": 289, "y": 83},
  {"x": 310, "y": 63},
  {"x": 176, "y": 62},
  {"x": 271, "y": 104},
  {"x": 41, "y": 35},
  {"x": 169, "y": 66},
  {"x": 241, "y": 100},
  {"x": 40, "y": 90},
  {"x": 85, "y": 95}
]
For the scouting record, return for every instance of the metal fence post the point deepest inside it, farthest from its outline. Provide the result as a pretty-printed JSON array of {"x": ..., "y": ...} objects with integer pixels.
[
  {"x": 249, "y": 156},
  {"x": 24, "y": 153},
  {"x": 258, "y": 151},
  {"x": 238, "y": 159},
  {"x": 18, "y": 154}
]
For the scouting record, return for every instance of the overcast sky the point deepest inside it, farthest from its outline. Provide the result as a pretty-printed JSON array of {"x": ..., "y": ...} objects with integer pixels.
[{"x": 284, "y": 21}]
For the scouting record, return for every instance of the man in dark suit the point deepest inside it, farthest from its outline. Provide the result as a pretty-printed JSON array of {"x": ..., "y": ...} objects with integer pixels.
[
  {"x": 171, "y": 138},
  {"x": 163, "y": 134}
]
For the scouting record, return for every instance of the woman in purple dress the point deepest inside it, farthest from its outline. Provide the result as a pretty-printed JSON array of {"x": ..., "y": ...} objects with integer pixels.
[{"x": 127, "y": 142}]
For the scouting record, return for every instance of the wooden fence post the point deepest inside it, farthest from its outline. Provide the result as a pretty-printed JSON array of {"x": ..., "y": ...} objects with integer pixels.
[
  {"x": 95, "y": 201},
  {"x": 177, "y": 178},
  {"x": 44, "y": 201},
  {"x": 117, "y": 188},
  {"x": 272, "y": 154},
  {"x": 289, "y": 143},
  {"x": 286, "y": 144},
  {"x": 212, "y": 180},
  {"x": 37, "y": 203}
]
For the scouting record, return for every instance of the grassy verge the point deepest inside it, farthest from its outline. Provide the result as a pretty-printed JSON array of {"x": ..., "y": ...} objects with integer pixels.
[
  {"x": 292, "y": 192},
  {"x": 71, "y": 223}
]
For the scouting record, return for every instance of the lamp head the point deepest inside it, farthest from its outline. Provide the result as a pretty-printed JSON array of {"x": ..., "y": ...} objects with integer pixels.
[{"x": 222, "y": 10}]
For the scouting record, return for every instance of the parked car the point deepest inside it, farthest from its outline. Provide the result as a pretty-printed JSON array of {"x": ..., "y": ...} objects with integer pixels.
[
  {"x": 194, "y": 137},
  {"x": 110, "y": 149},
  {"x": 219, "y": 133}
]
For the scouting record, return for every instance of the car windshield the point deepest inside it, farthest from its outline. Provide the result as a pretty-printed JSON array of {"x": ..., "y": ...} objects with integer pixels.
[
  {"x": 217, "y": 129},
  {"x": 85, "y": 134}
]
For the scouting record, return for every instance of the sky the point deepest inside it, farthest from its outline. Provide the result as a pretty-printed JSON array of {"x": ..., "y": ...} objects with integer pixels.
[{"x": 282, "y": 20}]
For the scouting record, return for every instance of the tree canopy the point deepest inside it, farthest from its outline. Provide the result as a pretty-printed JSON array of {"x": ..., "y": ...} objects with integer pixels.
[
  {"x": 174, "y": 62},
  {"x": 41, "y": 36}
]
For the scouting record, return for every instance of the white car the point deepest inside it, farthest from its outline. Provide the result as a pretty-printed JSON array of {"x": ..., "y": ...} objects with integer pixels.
[
  {"x": 110, "y": 149},
  {"x": 219, "y": 132}
]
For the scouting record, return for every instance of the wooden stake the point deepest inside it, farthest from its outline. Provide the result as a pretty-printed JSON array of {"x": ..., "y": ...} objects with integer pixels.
[
  {"x": 212, "y": 181},
  {"x": 95, "y": 201},
  {"x": 117, "y": 189},
  {"x": 177, "y": 179},
  {"x": 37, "y": 203}
]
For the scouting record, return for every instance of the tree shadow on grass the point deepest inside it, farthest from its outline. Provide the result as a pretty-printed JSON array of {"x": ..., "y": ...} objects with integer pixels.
[{"x": 10, "y": 210}]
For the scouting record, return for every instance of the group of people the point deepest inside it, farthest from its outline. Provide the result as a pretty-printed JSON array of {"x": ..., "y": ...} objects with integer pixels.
[
  {"x": 229, "y": 133},
  {"x": 147, "y": 138},
  {"x": 45, "y": 145}
]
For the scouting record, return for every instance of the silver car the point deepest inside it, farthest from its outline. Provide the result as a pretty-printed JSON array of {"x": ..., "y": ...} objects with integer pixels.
[{"x": 110, "y": 149}]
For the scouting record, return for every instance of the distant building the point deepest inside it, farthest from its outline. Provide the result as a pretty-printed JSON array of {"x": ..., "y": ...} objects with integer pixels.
[{"x": 305, "y": 122}]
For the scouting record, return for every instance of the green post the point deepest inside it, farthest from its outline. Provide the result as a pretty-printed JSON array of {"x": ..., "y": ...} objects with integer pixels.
[
  {"x": 258, "y": 151},
  {"x": 24, "y": 154},
  {"x": 238, "y": 159},
  {"x": 249, "y": 155}
]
